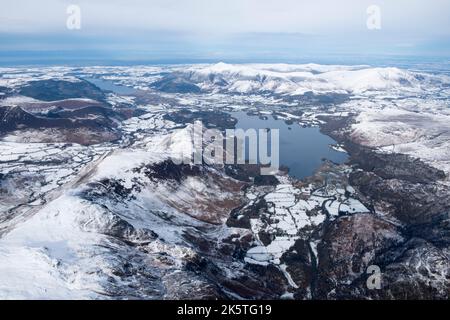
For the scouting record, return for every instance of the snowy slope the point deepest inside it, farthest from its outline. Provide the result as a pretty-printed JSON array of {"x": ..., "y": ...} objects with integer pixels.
[
  {"x": 116, "y": 226},
  {"x": 120, "y": 220}
]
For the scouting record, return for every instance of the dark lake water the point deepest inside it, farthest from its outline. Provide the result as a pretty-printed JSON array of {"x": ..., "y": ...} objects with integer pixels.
[
  {"x": 301, "y": 149},
  {"x": 111, "y": 86}
]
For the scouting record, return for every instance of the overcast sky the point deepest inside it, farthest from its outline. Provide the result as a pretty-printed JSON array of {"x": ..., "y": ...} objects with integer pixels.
[{"x": 209, "y": 27}]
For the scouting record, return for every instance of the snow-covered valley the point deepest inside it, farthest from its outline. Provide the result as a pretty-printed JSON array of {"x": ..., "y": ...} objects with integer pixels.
[{"x": 93, "y": 207}]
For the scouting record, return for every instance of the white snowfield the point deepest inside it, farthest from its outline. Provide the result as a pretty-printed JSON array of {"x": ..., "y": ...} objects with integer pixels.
[
  {"x": 318, "y": 79},
  {"x": 64, "y": 250},
  {"x": 423, "y": 135}
]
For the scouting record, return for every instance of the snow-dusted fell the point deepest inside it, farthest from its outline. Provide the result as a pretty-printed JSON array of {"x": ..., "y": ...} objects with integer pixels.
[
  {"x": 299, "y": 79},
  {"x": 114, "y": 214}
]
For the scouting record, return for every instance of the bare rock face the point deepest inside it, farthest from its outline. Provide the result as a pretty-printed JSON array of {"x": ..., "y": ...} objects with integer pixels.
[{"x": 121, "y": 220}]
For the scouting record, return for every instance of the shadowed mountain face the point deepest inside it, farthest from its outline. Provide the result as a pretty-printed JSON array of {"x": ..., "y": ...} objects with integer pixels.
[
  {"x": 52, "y": 90},
  {"x": 63, "y": 111},
  {"x": 176, "y": 83},
  {"x": 94, "y": 123},
  {"x": 13, "y": 117}
]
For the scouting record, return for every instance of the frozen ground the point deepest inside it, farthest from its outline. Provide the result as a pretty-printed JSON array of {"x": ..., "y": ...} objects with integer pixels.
[{"x": 116, "y": 220}]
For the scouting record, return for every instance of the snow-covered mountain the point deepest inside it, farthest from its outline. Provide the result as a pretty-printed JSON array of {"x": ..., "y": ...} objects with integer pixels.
[
  {"x": 93, "y": 216},
  {"x": 124, "y": 221}
]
